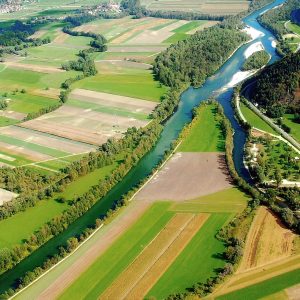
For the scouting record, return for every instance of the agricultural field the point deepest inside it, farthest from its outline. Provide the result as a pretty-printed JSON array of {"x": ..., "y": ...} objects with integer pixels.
[
  {"x": 45, "y": 210},
  {"x": 151, "y": 238},
  {"x": 6, "y": 196},
  {"x": 223, "y": 7},
  {"x": 270, "y": 263}
]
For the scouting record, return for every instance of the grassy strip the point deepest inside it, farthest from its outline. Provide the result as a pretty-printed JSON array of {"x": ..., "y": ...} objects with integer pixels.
[
  {"x": 4, "y": 121},
  {"x": 265, "y": 288},
  {"x": 205, "y": 134},
  {"x": 254, "y": 120},
  {"x": 140, "y": 85}
]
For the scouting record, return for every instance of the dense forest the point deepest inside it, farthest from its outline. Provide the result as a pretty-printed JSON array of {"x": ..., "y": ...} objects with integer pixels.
[
  {"x": 197, "y": 57},
  {"x": 274, "y": 88},
  {"x": 256, "y": 61}
]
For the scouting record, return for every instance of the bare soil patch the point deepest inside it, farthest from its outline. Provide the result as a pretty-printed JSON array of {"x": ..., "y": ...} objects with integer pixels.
[
  {"x": 268, "y": 240},
  {"x": 140, "y": 290},
  {"x": 60, "y": 38},
  {"x": 6, "y": 196},
  {"x": 187, "y": 176},
  {"x": 38, "y": 34},
  {"x": 109, "y": 100},
  {"x": 35, "y": 68},
  {"x": 179, "y": 230},
  {"x": 44, "y": 140},
  {"x": 104, "y": 239},
  {"x": 83, "y": 125},
  {"x": 12, "y": 114},
  {"x": 293, "y": 292}
]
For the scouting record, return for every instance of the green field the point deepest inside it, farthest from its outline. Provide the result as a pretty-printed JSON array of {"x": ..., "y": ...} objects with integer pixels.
[
  {"x": 139, "y": 85},
  {"x": 181, "y": 32},
  {"x": 288, "y": 119},
  {"x": 28, "y": 103},
  {"x": 265, "y": 288},
  {"x": 205, "y": 134},
  {"x": 293, "y": 27},
  {"x": 4, "y": 121},
  {"x": 20, "y": 226},
  {"x": 254, "y": 120}
]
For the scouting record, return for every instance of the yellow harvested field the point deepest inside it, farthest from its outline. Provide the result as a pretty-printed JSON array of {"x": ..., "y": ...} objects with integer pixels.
[
  {"x": 155, "y": 258},
  {"x": 38, "y": 34},
  {"x": 268, "y": 240},
  {"x": 60, "y": 38}
]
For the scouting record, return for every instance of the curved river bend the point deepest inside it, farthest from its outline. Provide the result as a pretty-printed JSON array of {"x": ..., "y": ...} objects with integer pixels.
[{"x": 217, "y": 86}]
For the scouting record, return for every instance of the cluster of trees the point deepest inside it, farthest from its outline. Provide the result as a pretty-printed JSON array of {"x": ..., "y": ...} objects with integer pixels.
[
  {"x": 274, "y": 87},
  {"x": 16, "y": 37},
  {"x": 199, "y": 56},
  {"x": 41, "y": 111},
  {"x": 256, "y": 61},
  {"x": 3, "y": 104}
]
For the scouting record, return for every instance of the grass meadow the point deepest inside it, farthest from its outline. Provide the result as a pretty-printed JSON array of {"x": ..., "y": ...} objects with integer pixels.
[
  {"x": 254, "y": 120},
  {"x": 139, "y": 85},
  {"x": 205, "y": 134},
  {"x": 33, "y": 218}
]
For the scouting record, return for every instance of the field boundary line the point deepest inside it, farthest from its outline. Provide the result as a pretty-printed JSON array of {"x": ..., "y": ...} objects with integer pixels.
[{"x": 57, "y": 264}]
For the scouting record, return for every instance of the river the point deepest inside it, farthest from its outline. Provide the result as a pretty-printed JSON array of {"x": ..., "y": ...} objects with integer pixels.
[{"x": 217, "y": 86}]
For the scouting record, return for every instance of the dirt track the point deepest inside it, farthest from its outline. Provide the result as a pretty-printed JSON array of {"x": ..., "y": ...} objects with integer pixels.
[{"x": 187, "y": 176}]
